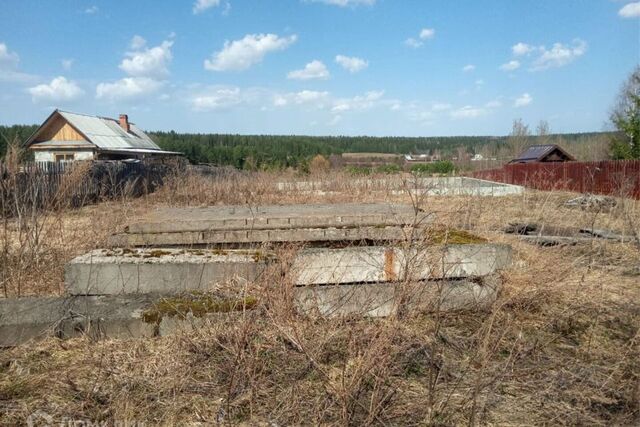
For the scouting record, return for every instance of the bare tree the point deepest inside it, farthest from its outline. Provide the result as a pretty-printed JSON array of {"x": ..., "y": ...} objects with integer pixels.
[
  {"x": 519, "y": 137},
  {"x": 625, "y": 116}
]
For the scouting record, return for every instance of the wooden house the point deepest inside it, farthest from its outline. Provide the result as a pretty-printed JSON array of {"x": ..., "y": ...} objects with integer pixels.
[
  {"x": 66, "y": 136},
  {"x": 543, "y": 153}
]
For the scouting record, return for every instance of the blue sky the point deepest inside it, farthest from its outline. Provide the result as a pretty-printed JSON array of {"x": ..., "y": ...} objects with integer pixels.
[{"x": 320, "y": 67}]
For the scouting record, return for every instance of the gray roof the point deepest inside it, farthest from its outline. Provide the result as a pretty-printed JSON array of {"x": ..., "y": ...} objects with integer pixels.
[
  {"x": 106, "y": 133},
  {"x": 103, "y": 132},
  {"x": 536, "y": 153}
]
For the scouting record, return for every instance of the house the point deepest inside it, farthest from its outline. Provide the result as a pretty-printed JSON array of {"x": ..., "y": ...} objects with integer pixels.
[
  {"x": 543, "y": 153},
  {"x": 66, "y": 136}
]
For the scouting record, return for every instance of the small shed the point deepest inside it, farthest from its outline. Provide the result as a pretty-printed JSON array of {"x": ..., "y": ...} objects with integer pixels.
[
  {"x": 543, "y": 153},
  {"x": 66, "y": 136}
]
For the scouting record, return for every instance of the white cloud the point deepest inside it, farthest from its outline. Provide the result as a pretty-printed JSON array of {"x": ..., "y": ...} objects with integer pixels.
[
  {"x": 128, "y": 88},
  {"x": 511, "y": 65},
  {"x": 9, "y": 67},
  {"x": 67, "y": 63},
  {"x": 493, "y": 104},
  {"x": 150, "y": 62},
  {"x": 523, "y": 101},
  {"x": 559, "y": 55},
  {"x": 217, "y": 99},
  {"x": 91, "y": 10},
  {"x": 468, "y": 112},
  {"x": 316, "y": 98},
  {"x": 357, "y": 103},
  {"x": 59, "y": 89},
  {"x": 8, "y": 59},
  {"x": 520, "y": 49},
  {"x": 201, "y": 5},
  {"x": 411, "y": 42},
  {"x": 344, "y": 3},
  {"x": 352, "y": 63},
  {"x": 242, "y": 54},
  {"x": 468, "y": 68},
  {"x": 631, "y": 10},
  {"x": 313, "y": 70},
  {"x": 137, "y": 42},
  {"x": 427, "y": 33},
  {"x": 441, "y": 107}
]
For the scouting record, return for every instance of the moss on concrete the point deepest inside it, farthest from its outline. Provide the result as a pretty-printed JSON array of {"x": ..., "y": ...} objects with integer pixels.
[{"x": 197, "y": 304}]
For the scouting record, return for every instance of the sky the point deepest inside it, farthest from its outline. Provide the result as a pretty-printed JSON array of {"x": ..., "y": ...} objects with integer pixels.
[{"x": 320, "y": 67}]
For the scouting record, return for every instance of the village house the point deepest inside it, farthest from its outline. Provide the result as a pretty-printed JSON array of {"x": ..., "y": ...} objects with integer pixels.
[
  {"x": 66, "y": 136},
  {"x": 543, "y": 153}
]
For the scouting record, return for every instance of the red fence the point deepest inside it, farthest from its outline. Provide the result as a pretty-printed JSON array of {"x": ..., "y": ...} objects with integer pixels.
[{"x": 614, "y": 177}]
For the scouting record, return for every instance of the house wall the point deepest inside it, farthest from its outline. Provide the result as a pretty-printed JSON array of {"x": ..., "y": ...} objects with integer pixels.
[{"x": 49, "y": 156}]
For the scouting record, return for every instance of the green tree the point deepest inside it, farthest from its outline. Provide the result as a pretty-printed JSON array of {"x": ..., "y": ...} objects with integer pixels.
[{"x": 626, "y": 119}]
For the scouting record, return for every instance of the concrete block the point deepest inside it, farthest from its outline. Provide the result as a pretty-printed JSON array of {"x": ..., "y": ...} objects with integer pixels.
[
  {"x": 382, "y": 299},
  {"x": 110, "y": 272},
  {"x": 381, "y": 264}
]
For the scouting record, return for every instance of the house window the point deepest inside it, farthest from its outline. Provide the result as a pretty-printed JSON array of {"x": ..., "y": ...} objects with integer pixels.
[{"x": 64, "y": 157}]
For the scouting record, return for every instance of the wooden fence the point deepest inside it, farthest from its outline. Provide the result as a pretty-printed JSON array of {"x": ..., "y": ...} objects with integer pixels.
[
  {"x": 45, "y": 185},
  {"x": 611, "y": 177}
]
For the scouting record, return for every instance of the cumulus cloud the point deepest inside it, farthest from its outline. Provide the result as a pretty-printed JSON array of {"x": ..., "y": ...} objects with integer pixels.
[
  {"x": 67, "y": 63},
  {"x": 137, "y": 42},
  {"x": 357, "y": 103},
  {"x": 631, "y": 10},
  {"x": 344, "y": 3},
  {"x": 242, "y": 54},
  {"x": 128, "y": 88},
  {"x": 468, "y": 112},
  {"x": 511, "y": 65},
  {"x": 201, "y": 5},
  {"x": 468, "y": 68},
  {"x": 313, "y": 97},
  {"x": 58, "y": 90},
  {"x": 217, "y": 98},
  {"x": 523, "y": 100},
  {"x": 8, "y": 59},
  {"x": 559, "y": 55},
  {"x": 425, "y": 34},
  {"x": 313, "y": 70},
  {"x": 351, "y": 63},
  {"x": 92, "y": 10},
  {"x": 149, "y": 62},
  {"x": 520, "y": 49}
]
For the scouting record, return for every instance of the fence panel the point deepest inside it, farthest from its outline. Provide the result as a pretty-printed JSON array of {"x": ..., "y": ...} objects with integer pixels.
[{"x": 611, "y": 177}]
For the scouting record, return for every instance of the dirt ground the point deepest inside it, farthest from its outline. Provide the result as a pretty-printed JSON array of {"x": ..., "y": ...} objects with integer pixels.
[{"x": 559, "y": 347}]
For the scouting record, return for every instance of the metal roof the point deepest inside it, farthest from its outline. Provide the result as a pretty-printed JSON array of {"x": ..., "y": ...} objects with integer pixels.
[
  {"x": 536, "y": 153},
  {"x": 106, "y": 133}
]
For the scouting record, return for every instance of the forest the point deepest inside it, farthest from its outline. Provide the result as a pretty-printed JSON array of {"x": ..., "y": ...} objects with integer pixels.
[{"x": 283, "y": 151}]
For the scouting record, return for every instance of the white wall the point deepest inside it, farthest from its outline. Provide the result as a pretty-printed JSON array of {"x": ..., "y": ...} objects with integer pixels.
[{"x": 49, "y": 156}]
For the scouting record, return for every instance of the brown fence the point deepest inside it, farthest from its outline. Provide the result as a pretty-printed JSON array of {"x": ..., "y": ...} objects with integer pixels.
[
  {"x": 612, "y": 177},
  {"x": 45, "y": 185}
]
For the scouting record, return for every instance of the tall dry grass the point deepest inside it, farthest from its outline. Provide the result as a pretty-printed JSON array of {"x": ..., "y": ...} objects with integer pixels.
[{"x": 559, "y": 346}]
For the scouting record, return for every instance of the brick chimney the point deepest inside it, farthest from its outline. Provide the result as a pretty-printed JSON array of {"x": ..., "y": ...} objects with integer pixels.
[{"x": 124, "y": 122}]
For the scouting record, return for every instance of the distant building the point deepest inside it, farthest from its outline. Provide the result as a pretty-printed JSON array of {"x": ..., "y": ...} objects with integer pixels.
[
  {"x": 477, "y": 157},
  {"x": 543, "y": 153},
  {"x": 66, "y": 136}
]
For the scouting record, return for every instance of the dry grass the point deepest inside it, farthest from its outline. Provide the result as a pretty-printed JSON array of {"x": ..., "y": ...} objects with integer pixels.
[{"x": 559, "y": 347}]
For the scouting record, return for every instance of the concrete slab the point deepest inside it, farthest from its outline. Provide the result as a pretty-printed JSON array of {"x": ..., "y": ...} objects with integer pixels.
[
  {"x": 233, "y": 225},
  {"x": 167, "y": 271},
  {"x": 381, "y": 299},
  {"x": 382, "y": 264},
  {"x": 112, "y": 316},
  {"x": 172, "y": 220}
]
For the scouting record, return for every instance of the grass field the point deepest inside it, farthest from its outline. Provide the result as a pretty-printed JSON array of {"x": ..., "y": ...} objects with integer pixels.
[{"x": 559, "y": 347}]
